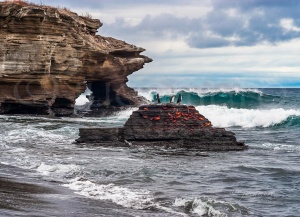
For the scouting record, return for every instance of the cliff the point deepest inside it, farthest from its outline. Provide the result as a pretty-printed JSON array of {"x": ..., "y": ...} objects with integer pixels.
[
  {"x": 165, "y": 125},
  {"x": 49, "y": 55}
]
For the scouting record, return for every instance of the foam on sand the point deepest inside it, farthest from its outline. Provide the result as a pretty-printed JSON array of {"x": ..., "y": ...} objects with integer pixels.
[{"x": 130, "y": 198}]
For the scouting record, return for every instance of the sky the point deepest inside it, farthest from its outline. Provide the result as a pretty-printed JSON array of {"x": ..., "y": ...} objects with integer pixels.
[{"x": 204, "y": 43}]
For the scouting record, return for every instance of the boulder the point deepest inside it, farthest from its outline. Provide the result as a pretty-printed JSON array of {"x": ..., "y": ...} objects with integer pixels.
[{"x": 165, "y": 125}]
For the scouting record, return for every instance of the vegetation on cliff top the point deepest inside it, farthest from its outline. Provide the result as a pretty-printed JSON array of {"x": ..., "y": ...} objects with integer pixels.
[{"x": 25, "y": 3}]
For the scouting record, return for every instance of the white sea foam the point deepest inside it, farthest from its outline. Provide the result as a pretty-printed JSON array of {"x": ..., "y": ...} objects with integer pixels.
[
  {"x": 281, "y": 147},
  {"x": 31, "y": 133},
  {"x": 198, "y": 207},
  {"x": 130, "y": 198},
  {"x": 126, "y": 197},
  {"x": 125, "y": 114},
  {"x": 222, "y": 116},
  {"x": 17, "y": 150},
  {"x": 81, "y": 100},
  {"x": 118, "y": 117},
  {"x": 57, "y": 169}
]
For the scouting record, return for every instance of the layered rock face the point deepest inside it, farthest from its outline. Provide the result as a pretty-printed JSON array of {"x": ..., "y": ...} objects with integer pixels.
[
  {"x": 49, "y": 55},
  {"x": 168, "y": 126}
]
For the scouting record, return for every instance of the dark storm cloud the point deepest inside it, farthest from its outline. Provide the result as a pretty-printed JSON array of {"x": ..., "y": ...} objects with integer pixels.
[
  {"x": 223, "y": 24},
  {"x": 267, "y": 23},
  {"x": 257, "y": 21},
  {"x": 249, "y": 30}
]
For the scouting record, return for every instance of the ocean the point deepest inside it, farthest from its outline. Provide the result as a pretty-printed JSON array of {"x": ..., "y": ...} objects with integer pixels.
[{"x": 43, "y": 172}]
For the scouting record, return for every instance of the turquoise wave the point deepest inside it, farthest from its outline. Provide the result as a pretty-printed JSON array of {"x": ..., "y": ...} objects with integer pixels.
[
  {"x": 290, "y": 122},
  {"x": 231, "y": 99}
]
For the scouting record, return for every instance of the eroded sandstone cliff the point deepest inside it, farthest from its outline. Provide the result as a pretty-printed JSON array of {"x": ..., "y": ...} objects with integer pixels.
[{"x": 49, "y": 55}]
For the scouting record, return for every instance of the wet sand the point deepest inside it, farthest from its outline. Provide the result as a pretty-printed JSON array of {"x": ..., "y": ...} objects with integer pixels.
[
  {"x": 20, "y": 197},
  {"x": 23, "y": 196}
]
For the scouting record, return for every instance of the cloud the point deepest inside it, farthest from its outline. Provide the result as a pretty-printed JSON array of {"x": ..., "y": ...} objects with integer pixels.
[
  {"x": 229, "y": 23},
  {"x": 163, "y": 25}
]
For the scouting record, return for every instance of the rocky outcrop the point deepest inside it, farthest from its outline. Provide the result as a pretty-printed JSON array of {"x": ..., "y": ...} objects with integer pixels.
[
  {"x": 49, "y": 55},
  {"x": 169, "y": 126}
]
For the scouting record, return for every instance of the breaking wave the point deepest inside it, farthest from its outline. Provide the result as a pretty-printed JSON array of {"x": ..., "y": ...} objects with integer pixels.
[
  {"x": 233, "y": 98},
  {"x": 222, "y": 116},
  {"x": 246, "y": 108},
  {"x": 292, "y": 121}
]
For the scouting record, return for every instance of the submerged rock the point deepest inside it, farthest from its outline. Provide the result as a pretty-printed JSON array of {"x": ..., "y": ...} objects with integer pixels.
[
  {"x": 49, "y": 55},
  {"x": 165, "y": 125}
]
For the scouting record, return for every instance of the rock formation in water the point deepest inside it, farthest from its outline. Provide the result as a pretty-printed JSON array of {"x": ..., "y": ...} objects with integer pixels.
[
  {"x": 49, "y": 55},
  {"x": 167, "y": 125}
]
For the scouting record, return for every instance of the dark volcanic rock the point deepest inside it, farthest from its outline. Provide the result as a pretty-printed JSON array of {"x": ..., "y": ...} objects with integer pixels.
[
  {"x": 168, "y": 126},
  {"x": 49, "y": 55},
  {"x": 102, "y": 137}
]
